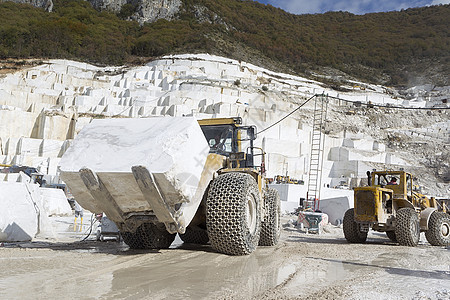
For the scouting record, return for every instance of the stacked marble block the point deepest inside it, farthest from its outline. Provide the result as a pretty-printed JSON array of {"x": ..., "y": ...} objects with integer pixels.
[
  {"x": 348, "y": 163},
  {"x": 48, "y": 102},
  {"x": 57, "y": 99},
  {"x": 43, "y": 154},
  {"x": 434, "y": 131}
]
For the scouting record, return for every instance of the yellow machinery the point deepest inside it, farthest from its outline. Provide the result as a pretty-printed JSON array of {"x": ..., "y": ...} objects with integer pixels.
[
  {"x": 161, "y": 178},
  {"x": 239, "y": 186},
  {"x": 286, "y": 179},
  {"x": 390, "y": 204}
]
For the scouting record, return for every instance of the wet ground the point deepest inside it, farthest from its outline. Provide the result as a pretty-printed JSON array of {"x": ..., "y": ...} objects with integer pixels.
[{"x": 302, "y": 266}]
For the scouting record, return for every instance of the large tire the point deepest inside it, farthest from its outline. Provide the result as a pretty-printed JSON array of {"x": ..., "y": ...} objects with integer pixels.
[
  {"x": 132, "y": 239},
  {"x": 271, "y": 225},
  {"x": 391, "y": 235},
  {"x": 233, "y": 214},
  {"x": 148, "y": 236},
  {"x": 407, "y": 228},
  {"x": 195, "y": 235},
  {"x": 438, "y": 233},
  {"x": 352, "y": 231}
]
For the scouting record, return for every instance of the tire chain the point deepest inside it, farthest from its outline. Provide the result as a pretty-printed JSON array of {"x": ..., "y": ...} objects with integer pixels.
[
  {"x": 195, "y": 235},
  {"x": 271, "y": 226},
  {"x": 434, "y": 233},
  {"x": 351, "y": 228},
  {"x": 391, "y": 236},
  {"x": 405, "y": 220},
  {"x": 148, "y": 236},
  {"x": 226, "y": 215}
]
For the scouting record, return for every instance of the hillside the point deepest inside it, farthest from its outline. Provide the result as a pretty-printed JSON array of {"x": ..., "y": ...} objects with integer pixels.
[{"x": 395, "y": 48}]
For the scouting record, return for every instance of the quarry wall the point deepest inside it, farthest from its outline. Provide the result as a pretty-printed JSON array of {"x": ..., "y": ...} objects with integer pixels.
[{"x": 43, "y": 108}]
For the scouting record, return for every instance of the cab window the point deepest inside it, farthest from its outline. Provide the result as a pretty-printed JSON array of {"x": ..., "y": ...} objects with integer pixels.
[{"x": 219, "y": 138}]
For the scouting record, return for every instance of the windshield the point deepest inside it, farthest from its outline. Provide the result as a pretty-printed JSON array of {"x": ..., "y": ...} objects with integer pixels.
[
  {"x": 219, "y": 138},
  {"x": 385, "y": 179}
]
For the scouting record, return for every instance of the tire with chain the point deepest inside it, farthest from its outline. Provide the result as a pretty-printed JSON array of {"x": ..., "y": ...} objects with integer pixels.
[
  {"x": 132, "y": 240},
  {"x": 148, "y": 236},
  {"x": 391, "y": 235},
  {"x": 352, "y": 231},
  {"x": 195, "y": 235},
  {"x": 438, "y": 233},
  {"x": 271, "y": 225},
  {"x": 407, "y": 229},
  {"x": 233, "y": 214}
]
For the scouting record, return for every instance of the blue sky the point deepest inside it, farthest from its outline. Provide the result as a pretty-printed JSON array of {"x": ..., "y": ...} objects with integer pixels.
[{"x": 353, "y": 6}]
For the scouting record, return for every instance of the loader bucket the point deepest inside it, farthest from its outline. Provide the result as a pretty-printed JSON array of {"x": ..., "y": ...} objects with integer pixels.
[{"x": 155, "y": 169}]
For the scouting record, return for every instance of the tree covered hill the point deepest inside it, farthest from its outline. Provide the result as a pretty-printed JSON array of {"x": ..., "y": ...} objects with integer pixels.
[{"x": 388, "y": 48}]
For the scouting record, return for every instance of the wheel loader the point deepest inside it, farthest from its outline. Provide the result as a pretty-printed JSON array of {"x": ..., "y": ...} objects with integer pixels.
[
  {"x": 157, "y": 177},
  {"x": 391, "y": 204}
]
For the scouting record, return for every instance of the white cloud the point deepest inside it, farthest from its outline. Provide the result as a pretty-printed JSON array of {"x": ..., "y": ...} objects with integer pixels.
[
  {"x": 353, "y": 6},
  {"x": 437, "y": 2}
]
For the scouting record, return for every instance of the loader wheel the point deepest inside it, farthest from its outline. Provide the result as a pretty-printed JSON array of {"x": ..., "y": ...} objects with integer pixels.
[
  {"x": 148, "y": 236},
  {"x": 271, "y": 225},
  {"x": 352, "y": 231},
  {"x": 407, "y": 228},
  {"x": 195, "y": 235},
  {"x": 132, "y": 240},
  {"x": 233, "y": 214},
  {"x": 438, "y": 233},
  {"x": 391, "y": 235}
]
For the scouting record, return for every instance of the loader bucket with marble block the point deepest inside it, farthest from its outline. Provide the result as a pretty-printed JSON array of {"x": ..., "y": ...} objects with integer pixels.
[{"x": 147, "y": 175}]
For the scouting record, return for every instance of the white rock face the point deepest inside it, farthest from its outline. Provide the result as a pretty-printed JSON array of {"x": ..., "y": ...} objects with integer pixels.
[
  {"x": 152, "y": 10},
  {"x": 146, "y": 11},
  {"x": 111, "y": 5},
  {"x": 45, "y": 4}
]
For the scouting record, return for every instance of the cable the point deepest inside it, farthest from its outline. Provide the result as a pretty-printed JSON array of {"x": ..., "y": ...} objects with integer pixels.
[
  {"x": 367, "y": 104},
  {"x": 288, "y": 114},
  {"x": 90, "y": 229},
  {"x": 387, "y": 106}
]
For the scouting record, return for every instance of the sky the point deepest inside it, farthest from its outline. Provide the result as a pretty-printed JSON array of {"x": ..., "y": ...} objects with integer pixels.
[{"x": 354, "y": 6}]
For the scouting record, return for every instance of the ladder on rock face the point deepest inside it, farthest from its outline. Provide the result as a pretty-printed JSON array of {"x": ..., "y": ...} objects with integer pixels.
[{"x": 316, "y": 157}]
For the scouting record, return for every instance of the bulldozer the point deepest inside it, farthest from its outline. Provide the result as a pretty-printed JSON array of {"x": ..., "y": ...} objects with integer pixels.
[
  {"x": 156, "y": 177},
  {"x": 391, "y": 203}
]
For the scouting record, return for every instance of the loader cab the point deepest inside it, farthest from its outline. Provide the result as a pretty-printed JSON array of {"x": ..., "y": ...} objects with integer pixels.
[
  {"x": 400, "y": 182},
  {"x": 227, "y": 137}
]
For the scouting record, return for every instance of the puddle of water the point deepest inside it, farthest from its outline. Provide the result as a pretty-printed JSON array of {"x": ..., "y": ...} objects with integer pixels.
[
  {"x": 285, "y": 272},
  {"x": 321, "y": 274},
  {"x": 199, "y": 275}
]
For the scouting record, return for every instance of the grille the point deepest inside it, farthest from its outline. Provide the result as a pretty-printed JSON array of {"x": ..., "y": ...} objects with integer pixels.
[{"x": 365, "y": 203}]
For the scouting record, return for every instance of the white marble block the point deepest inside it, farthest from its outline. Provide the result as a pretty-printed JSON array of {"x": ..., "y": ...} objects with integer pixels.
[{"x": 173, "y": 150}]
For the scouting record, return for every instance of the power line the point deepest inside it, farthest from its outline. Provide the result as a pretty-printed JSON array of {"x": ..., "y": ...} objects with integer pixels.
[
  {"x": 354, "y": 102},
  {"x": 287, "y": 114},
  {"x": 387, "y": 106}
]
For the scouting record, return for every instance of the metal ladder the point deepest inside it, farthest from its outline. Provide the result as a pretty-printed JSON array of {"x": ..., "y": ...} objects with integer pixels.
[{"x": 316, "y": 157}]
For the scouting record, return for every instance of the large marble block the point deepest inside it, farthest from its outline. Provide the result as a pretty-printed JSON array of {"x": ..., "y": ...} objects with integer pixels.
[
  {"x": 18, "y": 216},
  {"x": 172, "y": 149}
]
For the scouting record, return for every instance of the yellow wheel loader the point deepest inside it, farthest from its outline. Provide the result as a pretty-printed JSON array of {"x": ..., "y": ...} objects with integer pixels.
[
  {"x": 390, "y": 204},
  {"x": 157, "y": 177}
]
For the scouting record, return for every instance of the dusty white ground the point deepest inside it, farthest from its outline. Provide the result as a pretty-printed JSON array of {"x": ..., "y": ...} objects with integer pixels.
[{"x": 302, "y": 266}]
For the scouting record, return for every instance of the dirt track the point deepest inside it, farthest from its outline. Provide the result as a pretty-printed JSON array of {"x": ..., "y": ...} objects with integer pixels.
[{"x": 302, "y": 266}]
